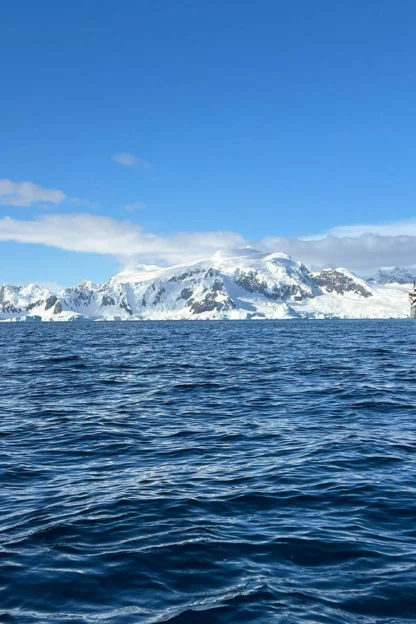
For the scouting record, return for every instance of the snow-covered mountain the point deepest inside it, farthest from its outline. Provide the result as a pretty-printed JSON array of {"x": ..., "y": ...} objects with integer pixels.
[
  {"x": 396, "y": 275},
  {"x": 15, "y": 300},
  {"x": 242, "y": 284}
]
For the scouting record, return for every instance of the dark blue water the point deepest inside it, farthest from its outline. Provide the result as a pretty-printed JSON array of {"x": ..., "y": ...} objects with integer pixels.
[{"x": 208, "y": 472}]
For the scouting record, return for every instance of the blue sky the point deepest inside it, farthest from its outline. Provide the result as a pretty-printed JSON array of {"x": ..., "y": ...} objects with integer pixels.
[{"x": 270, "y": 119}]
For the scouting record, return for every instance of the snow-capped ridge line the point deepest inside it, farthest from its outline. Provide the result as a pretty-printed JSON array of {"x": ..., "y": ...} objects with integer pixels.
[
  {"x": 394, "y": 275},
  {"x": 231, "y": 284}
]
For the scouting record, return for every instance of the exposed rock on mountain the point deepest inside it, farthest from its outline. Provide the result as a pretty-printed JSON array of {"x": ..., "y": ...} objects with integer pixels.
[
  {"x": 21, "y": 299},
  {"x": 397, "y": 275},
  {"x": 244, "y": 284},
  {"x": 341, "y": 281}
]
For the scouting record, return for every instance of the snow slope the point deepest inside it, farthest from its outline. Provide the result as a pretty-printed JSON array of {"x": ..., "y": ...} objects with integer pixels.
[{"x": 241, "y": 284}]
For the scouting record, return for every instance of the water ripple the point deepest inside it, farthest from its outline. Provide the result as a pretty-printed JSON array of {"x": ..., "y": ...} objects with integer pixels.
[{"x": 208, "y": 472}]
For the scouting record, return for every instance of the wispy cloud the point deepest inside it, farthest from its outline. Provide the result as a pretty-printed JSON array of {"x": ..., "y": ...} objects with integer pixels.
[
  {"x": 136, "y": 206},
  {"x": 83, "y": 204},
  {"x": 124, "y": 239},
  {"x": 130, "y": 160},
  {"x": 362, "y": 254},
  {"x": 392, "y": 228},
  {"x": 129, "y": 242},
  {"x": 27, "y": 193}
]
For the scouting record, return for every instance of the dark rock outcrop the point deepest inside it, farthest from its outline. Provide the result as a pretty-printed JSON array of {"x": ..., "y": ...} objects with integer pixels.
[
  {"x": 216, "y": 299},
  {"x": 50, "y": 302},
  {"x": 125, "y": 306},
  {"x": 158, "y": 296},
  {"x": 186, "y": 293},
  {"x": 184, "y": 276},
  {"x": 251, "y": 282},
  {"x": 108, "y": 301},
  {"x": 332, "y": 280}
]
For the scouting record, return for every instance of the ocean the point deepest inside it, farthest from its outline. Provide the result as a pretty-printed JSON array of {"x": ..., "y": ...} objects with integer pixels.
[{"x": 208, "y": 472}]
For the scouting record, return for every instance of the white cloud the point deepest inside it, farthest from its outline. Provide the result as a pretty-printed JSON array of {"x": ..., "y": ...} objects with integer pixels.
[
  {"x": 393, "y": 228},
  {"x": 130, "y": 243},
  {"x": 362, "y": 254},
  {"x": 103, "y": 235},
  {"x": 130, "y": 160},
  {"x": 136, "y": 206},
  {"x": 27, "y": 193}
]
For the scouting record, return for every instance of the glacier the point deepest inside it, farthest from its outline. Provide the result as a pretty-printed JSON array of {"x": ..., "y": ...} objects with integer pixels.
[{"x": 238, "y": 284}]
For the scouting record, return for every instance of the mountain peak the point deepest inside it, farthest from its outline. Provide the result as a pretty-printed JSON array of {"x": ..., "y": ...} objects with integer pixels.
[
  {"x": 394, "y": 275},
  {"x": 241, "y": 283}
]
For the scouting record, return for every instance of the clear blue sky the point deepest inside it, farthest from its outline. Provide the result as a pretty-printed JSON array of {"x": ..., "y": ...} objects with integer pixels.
[{"x": 266, "y": 117}]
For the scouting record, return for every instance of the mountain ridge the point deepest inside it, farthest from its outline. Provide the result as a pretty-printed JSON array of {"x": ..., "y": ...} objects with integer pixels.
[
  {"x": 395, "y": 275},
  {"x": 237, "y": 284}
]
